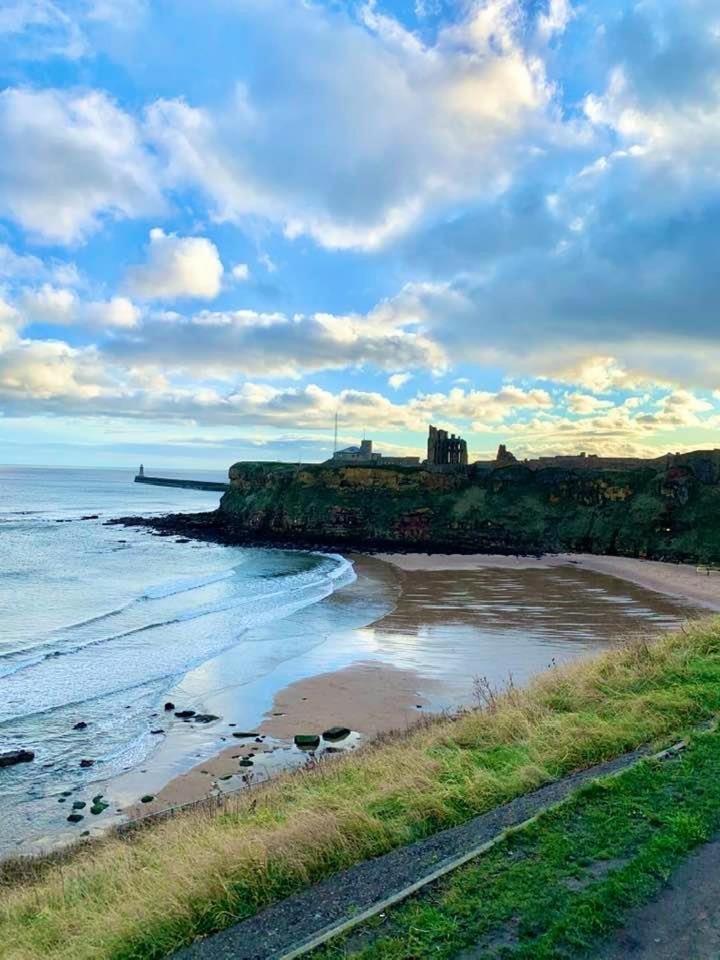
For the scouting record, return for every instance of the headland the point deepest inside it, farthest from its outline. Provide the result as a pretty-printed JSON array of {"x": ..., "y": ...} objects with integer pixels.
[{"x": 665, "y": 509}]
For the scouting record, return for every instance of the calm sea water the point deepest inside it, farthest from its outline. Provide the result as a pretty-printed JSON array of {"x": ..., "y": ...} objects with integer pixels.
[{"x": 98, "y": 623}]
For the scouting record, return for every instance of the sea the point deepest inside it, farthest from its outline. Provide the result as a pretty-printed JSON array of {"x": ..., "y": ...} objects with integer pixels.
[
  {"x": 101, "y": 625},
  {"x": 98, "y": 624}
]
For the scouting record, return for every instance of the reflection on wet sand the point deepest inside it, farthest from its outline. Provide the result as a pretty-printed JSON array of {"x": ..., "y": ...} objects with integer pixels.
[
  {"x": 453, "y": 625},
  {"x": 446, "y": 628}
]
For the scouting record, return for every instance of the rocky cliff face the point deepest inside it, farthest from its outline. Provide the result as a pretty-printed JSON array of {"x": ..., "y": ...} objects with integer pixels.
[{"x": 655, "y": 512}]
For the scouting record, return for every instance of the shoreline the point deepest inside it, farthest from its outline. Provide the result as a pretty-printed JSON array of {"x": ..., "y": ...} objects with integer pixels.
[
  {"x": 372, "y": 697},
  {"x": 654, "y": 573},
  {"x": 373, "y": 694},
  {"x": 364, "y": 700}
]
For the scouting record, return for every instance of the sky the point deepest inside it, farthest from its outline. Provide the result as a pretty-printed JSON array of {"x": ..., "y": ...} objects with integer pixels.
[{"x": 224, "y": 222}]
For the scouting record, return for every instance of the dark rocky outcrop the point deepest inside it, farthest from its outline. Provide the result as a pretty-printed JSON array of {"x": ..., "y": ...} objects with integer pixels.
[
  {"x": 336, "y": 733},
  {"x": 98, "y": 805},
  {"x": 184, "y": 714},
  {"x": 10, "y": 757},
  {"x": 307, "y": 741}
]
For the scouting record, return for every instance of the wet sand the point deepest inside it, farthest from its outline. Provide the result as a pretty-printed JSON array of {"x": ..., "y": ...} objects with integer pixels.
[
  {"x": 455, "y": 618},
  {"x": 686, "y": 582},
  {"x": 368, "y": 697}
]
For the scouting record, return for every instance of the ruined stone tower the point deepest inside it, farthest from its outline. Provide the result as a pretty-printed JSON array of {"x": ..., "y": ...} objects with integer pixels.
[{"x": 444, "y": 449}]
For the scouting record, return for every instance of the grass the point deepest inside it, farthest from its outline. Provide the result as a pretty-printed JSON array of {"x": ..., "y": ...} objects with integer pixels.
[
  {"x": 555, "y": 889},
  {"x": 142, "y": 895}
]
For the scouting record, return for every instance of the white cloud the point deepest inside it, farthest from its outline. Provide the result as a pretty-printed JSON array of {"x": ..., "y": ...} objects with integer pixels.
[
  {"x": 69, "y": 159},
  {"x": 397, "y": 380},
  {"x": 17, "y": 266},
  {"x": 273, "y": 344},
  {"x": 177, "y": 267},
  {"x": 241, "y": 272},
  {"x": 555, "y": 20},
  {"x": 480, "y": 407},
  {"x": 350, "y": 130},
  {"x": 63, "y": 307},
  {"x": 10, "y": 321},
  {"x": 121, "y": 14},
  {"x": 44, "y": 370},
  {"x": 265, "y": 260},
  {"x": 37, "y": 29},
  {"x": 584, "y": 403},
  {"x": 118, "y": 313}
]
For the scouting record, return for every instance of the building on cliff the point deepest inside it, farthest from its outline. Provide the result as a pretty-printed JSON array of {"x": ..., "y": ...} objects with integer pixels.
[
  {"x": 444, "y": 450},
  {"x": 364, "y": 455},
  {"x": 580, "y": 461}
]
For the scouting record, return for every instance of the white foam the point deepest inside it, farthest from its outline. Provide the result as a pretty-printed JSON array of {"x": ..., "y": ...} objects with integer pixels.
[
  {"x": 185, "y": 584},
  {"x": 167, "y": 646}
]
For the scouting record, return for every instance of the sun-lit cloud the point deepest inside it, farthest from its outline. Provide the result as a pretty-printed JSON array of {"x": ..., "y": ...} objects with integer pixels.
[
  {"x": 498, "y": 216},
  {"x": 69, "y": 159},
  {"x": 177, "y": 267},
  {"x": 348, "y": 132},
  {"x": 63, "y": 307}
]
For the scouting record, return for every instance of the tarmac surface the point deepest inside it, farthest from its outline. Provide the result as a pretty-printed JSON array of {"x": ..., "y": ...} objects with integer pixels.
[{"x": 682, "y": 922}]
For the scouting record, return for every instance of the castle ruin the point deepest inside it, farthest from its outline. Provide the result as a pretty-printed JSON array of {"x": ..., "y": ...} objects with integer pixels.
[{"x": 446, "y": 450}]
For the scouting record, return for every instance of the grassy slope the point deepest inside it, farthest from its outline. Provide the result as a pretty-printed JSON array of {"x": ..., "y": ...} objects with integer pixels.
[
  {"x": 140, "y": 897},
  {"x": 555, "y": 889}
]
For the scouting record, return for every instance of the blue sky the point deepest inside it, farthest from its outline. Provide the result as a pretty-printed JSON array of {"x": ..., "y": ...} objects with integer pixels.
[{"x": 222, "y": 223}]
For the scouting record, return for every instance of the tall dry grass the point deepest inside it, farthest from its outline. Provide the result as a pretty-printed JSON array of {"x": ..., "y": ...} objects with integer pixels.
[{"x": 144, "y": 894}]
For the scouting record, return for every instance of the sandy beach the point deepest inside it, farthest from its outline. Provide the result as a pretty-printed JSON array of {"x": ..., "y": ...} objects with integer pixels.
[
  {"x": 368, "y": 697},
  {"x": 455, "y": 617},
  {"x": 685, "y": 582}
]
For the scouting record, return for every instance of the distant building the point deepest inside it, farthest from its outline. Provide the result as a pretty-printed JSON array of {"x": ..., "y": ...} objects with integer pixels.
[
  {"x": 364, "y": 455},
  {"x": 579, "y": 461},
  {"x": 443, "y": 449}
]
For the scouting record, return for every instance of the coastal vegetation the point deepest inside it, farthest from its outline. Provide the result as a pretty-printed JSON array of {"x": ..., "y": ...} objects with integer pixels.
[
  {"x": 555, "y": 888},
  {"x": 663, "y": 511},
  {"x": 140, "y": 895}
]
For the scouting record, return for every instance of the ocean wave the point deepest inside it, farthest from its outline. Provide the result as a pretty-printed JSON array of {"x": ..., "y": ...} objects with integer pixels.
[
  {"x": 52, "y": 679},
  {"x": 183, "y": 585},
  {"x": 60, "y": 642}
]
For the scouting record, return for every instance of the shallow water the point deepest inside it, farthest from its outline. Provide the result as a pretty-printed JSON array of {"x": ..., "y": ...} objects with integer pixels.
[{"x": 104, "y": 624}]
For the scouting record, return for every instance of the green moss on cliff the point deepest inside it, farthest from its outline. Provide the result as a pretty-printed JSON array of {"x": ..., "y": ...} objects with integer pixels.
[{"x": 669, "y": 513}]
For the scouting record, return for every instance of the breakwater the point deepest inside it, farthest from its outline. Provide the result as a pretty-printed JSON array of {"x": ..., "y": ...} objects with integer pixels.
[{"x": 186, "y": 484}]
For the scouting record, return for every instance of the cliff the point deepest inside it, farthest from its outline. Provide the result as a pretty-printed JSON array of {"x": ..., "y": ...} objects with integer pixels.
[{"x": 661, "y": 512}]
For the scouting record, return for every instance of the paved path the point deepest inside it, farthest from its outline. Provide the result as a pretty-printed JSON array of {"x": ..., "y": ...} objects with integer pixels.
[
  {"x": 682, "y": 923},
  {"x": 297, "y": 920}
]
